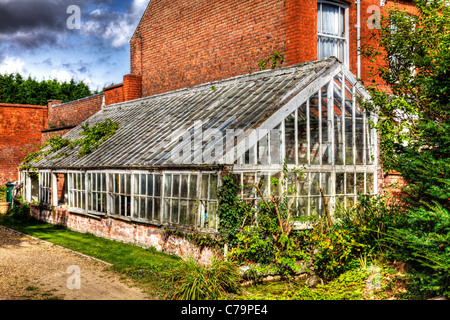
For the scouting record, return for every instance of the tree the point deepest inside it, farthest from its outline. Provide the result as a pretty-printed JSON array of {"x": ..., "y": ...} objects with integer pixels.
[
  {"x": 15, "y": 89},
  {"x": 412, "y": 57}
]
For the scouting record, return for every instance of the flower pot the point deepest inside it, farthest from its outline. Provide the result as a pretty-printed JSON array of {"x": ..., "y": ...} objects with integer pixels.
[{"x": 4, "y": 206}]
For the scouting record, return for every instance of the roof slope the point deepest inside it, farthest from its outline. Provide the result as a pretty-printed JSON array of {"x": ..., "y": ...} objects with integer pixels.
[{"x": 148, "y": 127}]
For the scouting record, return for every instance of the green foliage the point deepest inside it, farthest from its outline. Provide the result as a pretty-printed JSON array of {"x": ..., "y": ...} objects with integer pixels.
[
  {"x": 414, "y": 61},
  {"x": 96, "y": 135},
  {"x": 16, "y": 89},
  {"x": 233, "y": 213},
  {"x": 423, "y": 241},
  {"x": 192, "y": 281},
  {"x": 3, "y": 190},
  {"x": 18, "y": 214},
  {"x": 53, "y": 145},
  {"x": 92, "y": 138},
  {"x": 274, "y": 58},
  {"x": 369, "y": 220},
  {"x": 266, "y": 236}
]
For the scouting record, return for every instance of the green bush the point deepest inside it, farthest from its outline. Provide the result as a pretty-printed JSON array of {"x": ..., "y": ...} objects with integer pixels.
[
  {"x": 190, "y": 280},
  {"x": 423, "y": 241},
  {"x": 3, "y": 194},
  {"x": 18, "y": 214}
]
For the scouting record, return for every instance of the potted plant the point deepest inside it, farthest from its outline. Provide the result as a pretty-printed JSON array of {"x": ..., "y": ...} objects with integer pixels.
[{"x": 3, "y": 204}]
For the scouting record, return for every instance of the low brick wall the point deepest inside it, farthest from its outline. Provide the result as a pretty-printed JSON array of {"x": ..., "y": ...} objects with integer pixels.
[{"x": 124, "y": 231}]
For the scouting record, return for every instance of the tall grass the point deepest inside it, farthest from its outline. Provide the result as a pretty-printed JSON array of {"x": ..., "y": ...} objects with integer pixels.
[{"x": 191, "y": 280}]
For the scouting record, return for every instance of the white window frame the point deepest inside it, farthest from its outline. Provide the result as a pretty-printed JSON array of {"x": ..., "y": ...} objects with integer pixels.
[{"x": 344, "y": 38}]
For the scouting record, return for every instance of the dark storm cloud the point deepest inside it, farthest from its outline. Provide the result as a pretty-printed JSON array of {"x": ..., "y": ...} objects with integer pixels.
[{"x": 30, "y": 24}]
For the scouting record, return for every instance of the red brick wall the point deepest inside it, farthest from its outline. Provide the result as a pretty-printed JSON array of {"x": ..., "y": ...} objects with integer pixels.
[
  {"x": 181, "y": 43},
  {"x": 137, "y": 234},
  {"x": 20, "y": 134},
  {"x": 129, "y": 89},
  {"x": 114, "y": 94},
  {"x": 75, "y": 112}
]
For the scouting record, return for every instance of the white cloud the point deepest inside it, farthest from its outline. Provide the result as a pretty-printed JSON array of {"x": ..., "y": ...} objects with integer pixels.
[
  {"x": 63, "y": 75},
  {"x": 12, "y": 65},
  {"x": 118, "y": 28}
]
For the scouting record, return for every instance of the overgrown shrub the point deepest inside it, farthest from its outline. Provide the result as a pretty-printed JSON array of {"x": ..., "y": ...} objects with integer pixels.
[
  {"x": 3, "y": 194},
  {"x": 191, "y": 280},
  {"x": 423, "y": 241},
  {"x": 18, "y": 214}
]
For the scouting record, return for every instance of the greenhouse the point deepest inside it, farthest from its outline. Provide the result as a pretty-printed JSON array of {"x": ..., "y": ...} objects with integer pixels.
[{"x": 164, "y": 163}]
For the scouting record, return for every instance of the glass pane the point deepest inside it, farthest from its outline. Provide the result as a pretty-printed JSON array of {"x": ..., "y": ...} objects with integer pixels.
[
  {"x": 149, "y": 209},
  {"x": 136, "y": 184},
  {"x": 205, "y": 183},
  {"x": 263, "y": 147},
  {"x": 143, "y": 183},
  {"x": 326, "y": 128},
  {"x": 136, "y": 207},
  {"x": 359, "y": 140},
  {"x": 157, "y": 185},
  {"x": 350, "y": 183},
  {"x": 166, "y": 211},
  {"x": 349, "y": 141},
  {"x": 184, "y": 186},
  {"x": 249, "y": 181},
  {"x": 128, "y": 184},
  {"x": 314, "y": 128},
  {"x": 174, "y": 211},
  {"x": 302, "y": 135},
  {"x": 360, "y": 183},
  {"x": 276, "y": 145},
  {"x": 263, "y": 182},
  {"x": 104, "y": 182},
  {"x": 192, "y": 216},
  {"x": 142, "y": 209},
  {"x": 326, "y": 182},
  {"x": 314, "y": 206},
  {"x": 302, "y": 207},
  {"x": 183, "y": 211},
  {"x": 340, "y": 183},
  {"x": 168, "y": 185},
  {"x": 289, "y": 137},
  {"x": 370, "y": 183},
  {"x": 157, "y": 210},
  {"x": 315, "y": 183},
  {"x": 193, "y": 187},
  {"x": 176, "y": 185},
  {"x": 213, "y": 186},
  {"x": 149, "y": 190},
  {"x": 212, "y": 215}
]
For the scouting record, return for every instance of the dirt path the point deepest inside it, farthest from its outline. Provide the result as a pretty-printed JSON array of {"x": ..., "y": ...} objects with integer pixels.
[{"x": 31, "y": 269}]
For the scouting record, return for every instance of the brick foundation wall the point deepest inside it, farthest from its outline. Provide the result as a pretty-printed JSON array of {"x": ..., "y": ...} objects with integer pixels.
[
  {"x": 20, "y": 134},
  {"x": 128, "y": 232}
]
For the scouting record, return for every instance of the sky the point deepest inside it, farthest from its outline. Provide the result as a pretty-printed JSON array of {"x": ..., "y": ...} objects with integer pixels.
[{"x": 84, "y": 40}]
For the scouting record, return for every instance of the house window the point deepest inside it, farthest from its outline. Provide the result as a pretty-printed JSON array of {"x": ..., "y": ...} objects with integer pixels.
[
  {"x": 77, "y": 191},
  {"x": 332, "y": 31}
]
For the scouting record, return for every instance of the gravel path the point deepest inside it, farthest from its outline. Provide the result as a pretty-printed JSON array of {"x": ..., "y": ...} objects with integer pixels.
[{"x": 32, "y": 269}]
